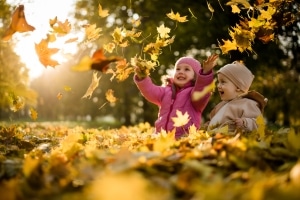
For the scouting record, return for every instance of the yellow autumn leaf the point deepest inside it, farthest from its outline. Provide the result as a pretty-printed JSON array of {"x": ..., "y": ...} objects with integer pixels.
[
  {"x": 199, "y": 94},
  {"x": 176, "y": 17},
  {"x": 244, "y": 3},
  {"x": 94, "y": 84},
  {"x": 210, "y": 8},
  {"x": 92, "y": 32},
  {"x": 235, "y": 9},
  {"x": 227, "y": 46},
  {"x": 164, "y": 141},
  {"x": 102, "y": 12},
  {"x": 109, "y": 47},
  {"x": 109, "y": 95},
  {"x": 163, "y": 31},
  {"x": 84, "y": 64},
  {"x": 67, "y": 88},
  {"x": 61, "y": 28},
  {"x": 33, "y": 114},
  {"x": 16, "y": 103},
  {"x": 267, "y": 14},
  {"x": 180, "y": 119},
  {"x": 59, "y": 96}
]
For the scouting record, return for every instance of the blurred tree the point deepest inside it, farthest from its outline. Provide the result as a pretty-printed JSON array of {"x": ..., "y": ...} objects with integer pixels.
[{"x": 14, "y": 81}]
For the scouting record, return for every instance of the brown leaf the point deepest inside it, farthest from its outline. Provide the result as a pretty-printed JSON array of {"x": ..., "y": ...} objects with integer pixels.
[
  {"x": 101, "y": 62},
  {"x": 44, "y": 53},
  {"x": 18, "y": 24}
]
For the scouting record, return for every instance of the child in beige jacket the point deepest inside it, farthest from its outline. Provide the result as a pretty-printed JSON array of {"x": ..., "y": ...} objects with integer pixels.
[{"x": 239, "y": 107}]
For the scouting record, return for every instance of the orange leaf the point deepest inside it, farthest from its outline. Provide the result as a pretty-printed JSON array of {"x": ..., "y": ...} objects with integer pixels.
[
  {"x": 100, "y": 62},
  {"x": 44, "y": 53},
  {"x": 18, "y": 24}
]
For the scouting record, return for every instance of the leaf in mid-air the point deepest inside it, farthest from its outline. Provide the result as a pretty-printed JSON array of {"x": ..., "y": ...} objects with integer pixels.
[
  {"x": 44, "y": 53},
  {"x": 33, "y": 114},
  {"x": 163, "y": 31},
  {"x": 176, "y": 17},
  {"x": 18, "y": 24},
  {"x": 228, "y": 46},
  {"x": 61, "y": 28},
  {"x": 92, "y": 32},
  {"x": 109, "y": 95},
  {"x": 207, "y": 89},
  {"x": 102, "y": 12},
  {"x": 101, "y": 62},
  {"x": 94, "y": 84}
]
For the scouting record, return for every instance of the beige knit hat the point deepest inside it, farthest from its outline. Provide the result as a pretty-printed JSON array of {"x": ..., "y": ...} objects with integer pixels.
[{"x": 238, "y": 74}]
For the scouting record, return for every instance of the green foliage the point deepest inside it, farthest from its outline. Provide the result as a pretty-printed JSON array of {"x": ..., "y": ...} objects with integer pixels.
[{"x": 47, "y": 161}]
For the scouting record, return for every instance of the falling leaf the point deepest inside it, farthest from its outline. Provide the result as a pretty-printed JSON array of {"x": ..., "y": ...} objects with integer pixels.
[
  {"x": 33, "y": 114},
  {"x": 163, "y": 31},
  {"x": 18, "y": 24},
  {"x": 44, "y": 53},
  {"x": 180, "y": 119},
  {"x": 135, "y": 22},
  {"x": 176, "y": 17},
  {"x": 101, "y": 62},
  {"x": 109, "y": 95},
  {"x": 192, "y": 14},
  {"x": 119, "y": 36},
  {"x": 61, "y": 28},
  {"x": 235, "y": 9},
  {"x": 92, "y": 32},
  {"x": 211, "y": 9},
  {"x": 102, "y": 12},
  {"x": 59, "y": 96},
  {"x": 84, "y": 64},
  {"x": 94, "y": 84},
  {"x": 207, "y": 89},
  {"x": 67, "y": 88},
  {"x": 109, "y": 47},
  {"x": 16, "y": 103},
  {"x": 227, "y": 46},
  {"x": 71, "y": 40}
]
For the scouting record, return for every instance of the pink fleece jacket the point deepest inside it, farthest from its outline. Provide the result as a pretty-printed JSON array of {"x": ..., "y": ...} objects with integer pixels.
[{"x": 182, "y": 101}]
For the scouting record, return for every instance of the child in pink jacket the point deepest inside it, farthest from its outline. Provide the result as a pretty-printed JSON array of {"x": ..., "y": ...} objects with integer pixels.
[{"x": 189, "y": 78}]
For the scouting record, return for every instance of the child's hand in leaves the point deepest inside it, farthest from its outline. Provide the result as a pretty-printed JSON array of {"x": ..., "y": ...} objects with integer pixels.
[
  {"x": 210, "y": 63},
  {"x": 141, "y": 73}
]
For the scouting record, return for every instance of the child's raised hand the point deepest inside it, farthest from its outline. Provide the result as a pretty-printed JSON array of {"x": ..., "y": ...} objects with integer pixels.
[
  {"x": 210, "y": 63},
  {"x": 141, "y": 74}
]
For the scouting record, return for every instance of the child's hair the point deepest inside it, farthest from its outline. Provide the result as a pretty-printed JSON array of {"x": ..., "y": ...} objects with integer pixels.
[{"x": 238, "y": 74}]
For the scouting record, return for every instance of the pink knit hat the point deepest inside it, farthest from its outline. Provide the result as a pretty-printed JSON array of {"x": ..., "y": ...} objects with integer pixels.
[
  {"x": 195, "y": 64},
  {"x": 238, "y": 74}
]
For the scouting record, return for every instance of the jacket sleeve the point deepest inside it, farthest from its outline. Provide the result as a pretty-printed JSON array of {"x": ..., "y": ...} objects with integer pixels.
[
  {"x": 202, "y": 81},
  {"x": 251, "y": 112},
  {"x": 150, "y": 91}
]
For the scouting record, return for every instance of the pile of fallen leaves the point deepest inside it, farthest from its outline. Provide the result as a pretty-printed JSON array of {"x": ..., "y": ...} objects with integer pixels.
[{"x": 43, "y": 161}]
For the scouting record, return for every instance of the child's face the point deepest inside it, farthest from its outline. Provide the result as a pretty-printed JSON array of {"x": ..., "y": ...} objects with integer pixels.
[
  {"x": 183, "y": 74},
  {"x": 227, "y": 90}
]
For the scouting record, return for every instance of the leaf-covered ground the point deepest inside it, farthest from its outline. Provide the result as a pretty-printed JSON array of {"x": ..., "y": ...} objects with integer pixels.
[{"x": 47, "y": 161}]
